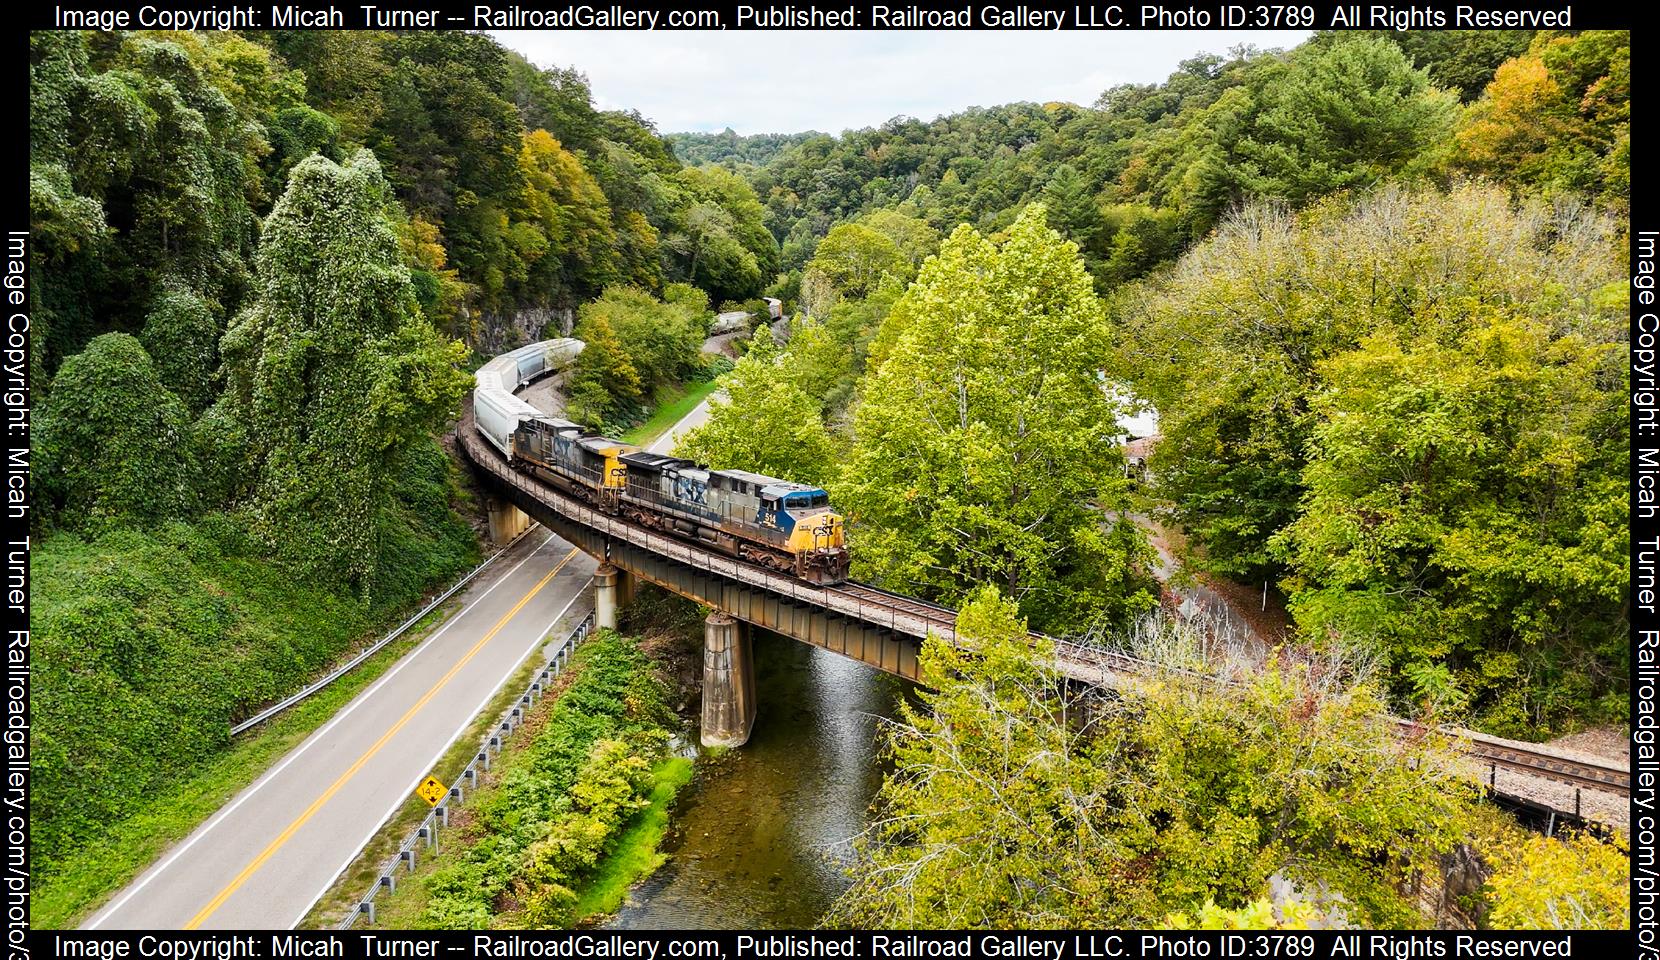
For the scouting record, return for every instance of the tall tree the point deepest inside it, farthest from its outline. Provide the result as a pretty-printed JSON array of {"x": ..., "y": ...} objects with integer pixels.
[
  {"x": 984, "y": 442},
  {"x": 1467, "y": 512},
  {"x": 1344, "y": 116},
  {"x": 765, "y": 422},
  {"x": 332, "y": 372}
]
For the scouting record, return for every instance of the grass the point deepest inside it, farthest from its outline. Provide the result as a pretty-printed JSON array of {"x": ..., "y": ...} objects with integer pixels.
[
  {"x": 673, "y": 403},
  {"x": 632, "y": 856},
  {"x": 355, "y": 881},
  {"x": 84, "y": 880},
  {"x": 636, "y": 855}
]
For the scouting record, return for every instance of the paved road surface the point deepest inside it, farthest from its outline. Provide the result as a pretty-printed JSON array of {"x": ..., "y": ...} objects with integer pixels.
[{"x": 265, "y": 858}]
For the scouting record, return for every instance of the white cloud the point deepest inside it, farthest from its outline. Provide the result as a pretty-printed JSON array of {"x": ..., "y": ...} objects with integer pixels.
[{"x": 785, "y": 81}]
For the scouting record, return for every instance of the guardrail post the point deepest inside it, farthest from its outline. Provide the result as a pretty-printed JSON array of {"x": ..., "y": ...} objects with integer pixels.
[
  {"x": 484, "y": 758},
  {"x": 407, "y": 856},
  {"x": 443, "y": 815},
  {"x": 367, "y": 907},
  {"x": 429, "y": 834},
  {"x": 455, "y": 795},
  {"x": 388, "y": 882}
]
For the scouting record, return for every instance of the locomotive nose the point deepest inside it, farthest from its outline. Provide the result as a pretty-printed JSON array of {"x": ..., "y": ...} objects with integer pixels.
[{"x": 818, "y": 531}]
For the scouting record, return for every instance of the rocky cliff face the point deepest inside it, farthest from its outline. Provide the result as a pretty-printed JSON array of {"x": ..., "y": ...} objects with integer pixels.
[{"x": 496, "y": 331}]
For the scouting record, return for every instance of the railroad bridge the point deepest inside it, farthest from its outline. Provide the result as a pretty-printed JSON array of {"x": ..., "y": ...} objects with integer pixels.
[{"x": 876, "y": 627}]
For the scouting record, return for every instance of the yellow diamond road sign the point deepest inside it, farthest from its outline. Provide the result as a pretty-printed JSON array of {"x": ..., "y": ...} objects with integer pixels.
[{"x": 431, "y": 791}]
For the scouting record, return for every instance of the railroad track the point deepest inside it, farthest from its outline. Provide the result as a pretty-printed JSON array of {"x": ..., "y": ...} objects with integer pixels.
[
  {"x": 1493, "y": 752},
  {"x": 1529, "y": 759}
]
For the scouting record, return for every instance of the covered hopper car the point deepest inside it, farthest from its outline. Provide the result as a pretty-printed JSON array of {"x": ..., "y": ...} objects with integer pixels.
[{"x": 785, "y": 526}]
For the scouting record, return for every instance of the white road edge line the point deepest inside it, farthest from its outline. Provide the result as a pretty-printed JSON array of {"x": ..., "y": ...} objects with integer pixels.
[
  {"x": 271, "y": 774},
  {"x": 541, "y": 636}
]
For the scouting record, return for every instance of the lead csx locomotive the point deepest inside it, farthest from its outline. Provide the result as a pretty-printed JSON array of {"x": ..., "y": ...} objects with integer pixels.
[{"x": 786, "y": 526}]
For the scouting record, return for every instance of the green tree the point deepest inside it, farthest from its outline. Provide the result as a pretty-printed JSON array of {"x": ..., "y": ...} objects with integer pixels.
[
  {"x": 1344, "y": 116},
  {"x": 984, "y": 440},
  {"x": 661, "y": 339},
  {"x": 727, "y": 247},
  {"x": 912, "y": 235},
  {"x": 604, "y": 384},
  {"x": 1184, "y": 794},
  {"x": 181, "y": 335},
  {"x": 1071, "y": 205},
  {"x": 113, "y": 442},
  {"x": 850, "y": 261},
  {"x": 765, "y": 422},
  {"x": 1467, "y": 508},
  {"x": 332, "y": 372}
]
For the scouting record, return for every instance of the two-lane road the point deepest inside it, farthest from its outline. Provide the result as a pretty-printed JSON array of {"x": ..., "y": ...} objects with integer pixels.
[{"x": 264, "y": 859}]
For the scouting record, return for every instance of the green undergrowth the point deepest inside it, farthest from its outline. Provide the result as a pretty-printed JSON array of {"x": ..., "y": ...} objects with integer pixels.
[
  {"x": 149, "y": 644},
  {"x": 571, "y": 813},
  {"x": 636, "y": 854},
  {"x": 673, "y": 403}
]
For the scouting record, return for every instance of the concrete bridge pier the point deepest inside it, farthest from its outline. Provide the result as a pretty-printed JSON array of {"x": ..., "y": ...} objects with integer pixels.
[
  {"x": 506, "y": 520},
  {"x": 613, "y": 590},
  {"x": 728, "y": 682}
]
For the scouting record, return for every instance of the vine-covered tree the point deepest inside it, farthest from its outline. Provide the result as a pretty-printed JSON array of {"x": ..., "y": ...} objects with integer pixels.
[
  {"x": 112, "y": 440},
  {"x": 332, "y": 372},
  {"x": 984, "y": 442}
]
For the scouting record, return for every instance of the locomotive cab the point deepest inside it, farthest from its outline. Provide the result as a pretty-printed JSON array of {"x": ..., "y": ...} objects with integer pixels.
[{"x": 812, "y": 532}]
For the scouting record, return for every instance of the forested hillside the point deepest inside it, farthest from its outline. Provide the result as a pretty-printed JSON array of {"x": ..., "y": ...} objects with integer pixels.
[
  {"x": 1373, "y": 285},
  {"x": 263, "y": 262},
  {"x": 1149, "y": 168},
  {"x": 727, "y": 148}
]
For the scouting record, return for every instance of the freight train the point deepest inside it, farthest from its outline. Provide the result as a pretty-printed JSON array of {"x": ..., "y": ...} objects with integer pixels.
[{"x": 785, "y": 526}]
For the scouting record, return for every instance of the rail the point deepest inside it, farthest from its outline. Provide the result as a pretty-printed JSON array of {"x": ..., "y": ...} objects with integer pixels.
[
  {"x": 425, "y": 833},
  {"x": 918, "y": 618},
  {"x": 371, "y": 650}
]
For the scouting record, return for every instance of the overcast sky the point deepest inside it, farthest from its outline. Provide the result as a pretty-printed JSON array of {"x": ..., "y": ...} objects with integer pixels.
[{"x": 787, "y": 81}]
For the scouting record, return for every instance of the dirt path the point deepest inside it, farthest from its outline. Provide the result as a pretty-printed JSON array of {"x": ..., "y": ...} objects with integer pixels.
[{"x": 1237, "y": 606}]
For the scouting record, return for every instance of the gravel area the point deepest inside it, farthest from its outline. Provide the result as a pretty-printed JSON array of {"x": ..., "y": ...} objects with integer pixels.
[
  {"x": 1596, "y": 805},
  {"x": 1610, "y": 743},
  {"x": 547, "y": 394}
]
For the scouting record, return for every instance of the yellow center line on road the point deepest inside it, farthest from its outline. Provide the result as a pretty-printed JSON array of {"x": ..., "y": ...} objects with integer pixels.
[{"x": 368, "y": 755}]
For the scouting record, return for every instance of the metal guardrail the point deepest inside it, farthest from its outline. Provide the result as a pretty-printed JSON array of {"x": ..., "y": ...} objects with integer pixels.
[
  {"x": 425, "y": 833},
  {"x": 375, "y": 648}
]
